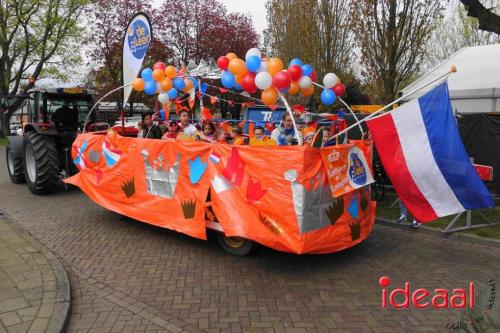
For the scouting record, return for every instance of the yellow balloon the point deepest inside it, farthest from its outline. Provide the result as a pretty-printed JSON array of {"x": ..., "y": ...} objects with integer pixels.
[
  {"x": 166, "y": 84},
  {"x": 138, "y": 84},
  {"x": 237, "y": 67},
  {"x": 275, "y": 66},
  {"x": 269, "y": 96},
  {"x": 171, "y": 72}
]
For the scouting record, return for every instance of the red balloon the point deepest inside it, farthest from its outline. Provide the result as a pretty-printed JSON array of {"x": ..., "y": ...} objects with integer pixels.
[
  {"x": 295, "y": 72},
  {"x": 223, "y": 63},
  {"x": 248, "y": 83},
  {"x": 159, "y": 65},
  {"x": 313, "y": 76},
  {"x": 281, "y": 80},
  {"x": 339, "y": 90}
]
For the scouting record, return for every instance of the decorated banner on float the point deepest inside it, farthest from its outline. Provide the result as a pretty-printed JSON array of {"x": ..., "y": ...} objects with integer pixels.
[
  {"x": 348, "y": 166},
  {"x": 276, "y": 196},
  {"x": 135, "y": 45}
]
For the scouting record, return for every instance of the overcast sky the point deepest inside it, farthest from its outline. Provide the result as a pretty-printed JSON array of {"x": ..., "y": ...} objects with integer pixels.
[{"x": 256, "y": 9}]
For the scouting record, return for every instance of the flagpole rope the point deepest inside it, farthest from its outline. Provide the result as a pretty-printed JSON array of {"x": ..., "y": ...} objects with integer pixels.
[{"x": 439, "y": 78}]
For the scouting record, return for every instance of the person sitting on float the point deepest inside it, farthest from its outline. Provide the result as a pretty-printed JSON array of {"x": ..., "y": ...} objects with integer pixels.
[
  {"x": 260, "y": 137},
  {"x": 149, "y": 129},
  {"x": 237, "y": 136},
  {"x": 185, "y": 125},
  {"x": 172, "y": 130},
  {"x": 285, "y": 134},
  {"x": 308, "y": 134},
  {"x": 208, "y": 134}
]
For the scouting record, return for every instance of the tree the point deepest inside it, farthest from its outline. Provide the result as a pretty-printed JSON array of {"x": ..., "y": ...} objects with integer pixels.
[
  {"x": 317, "y": 31},
  {"x": 454, "y": 32},
  {"x": 108, "y": 23},
  {"x": 202, "y": 29},
  {"x": 392, "y": 35},
  {"x": 487, "y": 18},
  {"x": 32, "y": 34}
]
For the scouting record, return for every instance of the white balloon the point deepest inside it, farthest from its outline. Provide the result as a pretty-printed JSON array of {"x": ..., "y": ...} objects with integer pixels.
[
  {"x": 163, "y": 98},
  {"x": 263, "y": 80},
  {"x": 264, "y": 65},
  {"x": 253, "y": 52},
  {"x": 305, "y": 82},
  {"x": 158, "y": 88},
  {"x": 330, "y": 80}
]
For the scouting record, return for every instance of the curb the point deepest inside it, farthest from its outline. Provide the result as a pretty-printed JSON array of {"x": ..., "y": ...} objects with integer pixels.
[
  {"x": 60, "y": 317},
  {"x": 438, "y": 233}
]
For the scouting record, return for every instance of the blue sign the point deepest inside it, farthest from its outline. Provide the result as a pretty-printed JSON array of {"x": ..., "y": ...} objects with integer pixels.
[
  {"x": 138, "y": 38},
  {"x": 261, "y": 116}
]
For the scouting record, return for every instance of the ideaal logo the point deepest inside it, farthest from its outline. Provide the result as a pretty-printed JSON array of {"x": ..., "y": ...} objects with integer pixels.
[
  {"x": 459, "y": 298},
  {"x": 482, "y": 314},
  {"x": 138, "y": 38}
]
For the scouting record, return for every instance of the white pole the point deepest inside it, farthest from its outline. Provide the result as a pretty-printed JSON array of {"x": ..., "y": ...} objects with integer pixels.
[
  {"x": 348, "y": 108},
  {"x": 103, "y": 97},
  {"x": 297, "y": 132},
  {"x": 452, "y": 70}
]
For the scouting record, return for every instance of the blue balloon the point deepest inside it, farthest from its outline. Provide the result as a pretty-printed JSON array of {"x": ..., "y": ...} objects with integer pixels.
[
  {"x": 147, "y": 74},
  {"x": 328, "y": 97},
  {"x": 228, "y": 80},
  {"x": 150, "y": 87},
  {"x": 204, "y": 88},
  {"x": 295, "y": 61},
  {"x": 172, "y": 93},
  {"x": 162, "y": 115},
  {"x": 307, "y": 70},
  {"x": 253, "y": 63},
  {"x": 238, "y": 87},
  {"x": 179, "y": 84}
]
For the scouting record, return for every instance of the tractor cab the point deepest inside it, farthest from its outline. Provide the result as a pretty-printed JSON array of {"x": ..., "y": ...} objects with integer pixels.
[{"x": 51, "y": 120}]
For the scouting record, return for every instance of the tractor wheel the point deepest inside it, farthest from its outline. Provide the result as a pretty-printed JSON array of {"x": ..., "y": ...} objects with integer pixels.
[
  {"x": 14, "y": 165},
  {"x": 235, "y": 245},
  {"x": 41, "y": 163}
]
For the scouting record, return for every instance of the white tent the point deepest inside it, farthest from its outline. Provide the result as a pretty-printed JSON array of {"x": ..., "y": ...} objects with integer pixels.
[{"x": 475, "y": 88}]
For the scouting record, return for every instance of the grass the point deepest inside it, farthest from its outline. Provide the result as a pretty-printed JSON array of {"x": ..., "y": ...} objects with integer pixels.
[
  {"x": 493, "y": 215},
  {"x": 3, "y": 141}
]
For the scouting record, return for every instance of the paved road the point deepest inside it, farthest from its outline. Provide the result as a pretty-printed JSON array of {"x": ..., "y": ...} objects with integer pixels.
[{"x": 131, "y": 277}]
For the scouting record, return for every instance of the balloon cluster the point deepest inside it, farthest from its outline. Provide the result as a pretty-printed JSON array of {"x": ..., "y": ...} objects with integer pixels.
[
  {"x": 166, "y": 81},
  {"x": 257, "y": 72}
]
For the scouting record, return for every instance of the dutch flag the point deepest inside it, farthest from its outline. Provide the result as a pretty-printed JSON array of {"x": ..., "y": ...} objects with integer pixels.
[{"x": 422, "y": 152}]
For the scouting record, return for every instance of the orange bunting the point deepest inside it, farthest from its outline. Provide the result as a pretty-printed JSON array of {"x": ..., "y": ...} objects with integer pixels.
[
  {"x": 207, "y": 115},
  {"x": 213, "y": 99},
  {"x": 191, "y": 103},
  {"x": 223, "y": 91}
]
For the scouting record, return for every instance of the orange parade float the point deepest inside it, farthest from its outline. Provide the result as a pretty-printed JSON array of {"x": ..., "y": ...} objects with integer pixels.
[{"x": 298, "y": 199}]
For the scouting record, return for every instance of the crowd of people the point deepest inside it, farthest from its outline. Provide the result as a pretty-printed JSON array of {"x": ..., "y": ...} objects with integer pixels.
[{"x": 283, "y": 135}]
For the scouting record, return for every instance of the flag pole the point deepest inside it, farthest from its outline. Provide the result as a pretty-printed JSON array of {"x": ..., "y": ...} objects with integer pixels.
[{"x": 453, "y": 69}]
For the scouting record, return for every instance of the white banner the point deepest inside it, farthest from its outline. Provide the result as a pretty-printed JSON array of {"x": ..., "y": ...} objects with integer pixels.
[{"x": 135, "y": 45}]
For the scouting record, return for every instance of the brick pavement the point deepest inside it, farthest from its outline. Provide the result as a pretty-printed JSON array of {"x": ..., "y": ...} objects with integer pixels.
[
  {"x": 34, "y": 289},
  {"x": 129, "y": 276}
]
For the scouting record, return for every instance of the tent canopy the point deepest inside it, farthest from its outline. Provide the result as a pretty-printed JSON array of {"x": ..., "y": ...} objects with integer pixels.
[{"x": 475, "y": 85}]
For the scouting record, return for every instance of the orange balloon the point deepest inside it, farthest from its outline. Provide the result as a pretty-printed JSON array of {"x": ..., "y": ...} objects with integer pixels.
[
  {"x": 158, "y": 75},
  {"x": 308, "y": 91},
  {"x": 239, "y": 78},
  {"x": 171, "y": 72},
  {"x": 231, "y": 56},
  {"x": 269, "y": 96},
  {"x": 275, "y": 66},
  {"x": 138, "y": 84},
  {"x": 166, "y": 84},
  {"x": 237, "y": 67},
  {"x": 189, "y": 85},
  {"x": 294, "y": 88}
]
